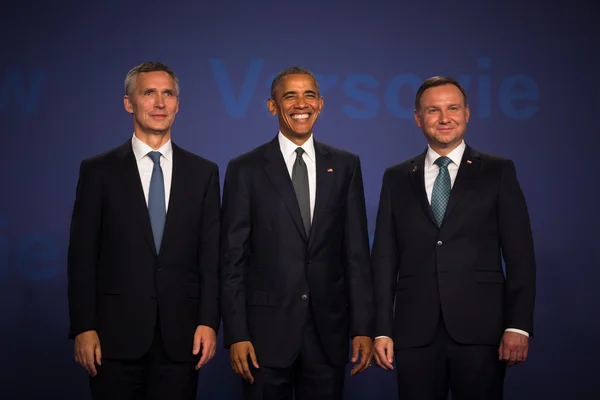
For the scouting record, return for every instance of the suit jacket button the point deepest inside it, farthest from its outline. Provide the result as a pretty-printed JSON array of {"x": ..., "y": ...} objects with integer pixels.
[
  {"x": 304, "y": 296},
  {"x": 439, "y": 243}
]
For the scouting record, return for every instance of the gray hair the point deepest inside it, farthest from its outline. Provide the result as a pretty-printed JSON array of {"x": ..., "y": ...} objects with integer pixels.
[{"x": 150, "y": 66}]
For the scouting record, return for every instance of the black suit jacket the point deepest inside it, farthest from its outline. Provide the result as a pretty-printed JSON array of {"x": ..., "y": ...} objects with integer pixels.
[
  {"x": 117, "y": 281},
  {"x": 272, "y": 275},
  {"x": 456, "y": 269}
]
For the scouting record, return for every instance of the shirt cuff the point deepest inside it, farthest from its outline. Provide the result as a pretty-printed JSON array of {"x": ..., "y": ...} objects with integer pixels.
[{"x": 517, "y": 331}]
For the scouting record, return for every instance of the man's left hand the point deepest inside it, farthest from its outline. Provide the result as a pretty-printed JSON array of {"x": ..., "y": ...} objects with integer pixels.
[
  {"x": 205, "y": 338},
  {"x": 513, "y": 348},
  {"x": 364, "y": 346}
]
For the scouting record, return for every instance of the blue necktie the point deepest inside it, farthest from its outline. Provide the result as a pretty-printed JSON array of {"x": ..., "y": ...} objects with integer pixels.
[
  {"x": 441, "y": 190},
  {"x": 156, "y": 200}
]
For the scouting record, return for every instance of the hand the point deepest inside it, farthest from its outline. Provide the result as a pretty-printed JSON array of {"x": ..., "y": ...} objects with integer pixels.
[
  {"x": 206, "y": 337},
  {"x": 513, "y": 348},
  {"x": 384, "y": 353},
  {"x": 364, "y": 345},
  {"x": 88, "y": 352},
  {"x": 239, "y": 353}
]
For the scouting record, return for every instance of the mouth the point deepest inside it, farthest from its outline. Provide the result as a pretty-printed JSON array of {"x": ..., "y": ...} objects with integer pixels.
[
  {"x": 159, "y": 116},
  {"x": 301, "y": 117}
]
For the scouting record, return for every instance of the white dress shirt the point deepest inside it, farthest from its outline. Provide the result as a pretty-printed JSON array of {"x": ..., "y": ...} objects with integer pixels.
[
  {"x": 431, "y": 172},
  {"x": 288, "y": 150},
  {"x": 145, "y": 165}
]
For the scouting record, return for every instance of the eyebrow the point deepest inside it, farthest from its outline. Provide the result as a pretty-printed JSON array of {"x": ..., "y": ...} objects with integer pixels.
[{"x": 294, "y": 92}]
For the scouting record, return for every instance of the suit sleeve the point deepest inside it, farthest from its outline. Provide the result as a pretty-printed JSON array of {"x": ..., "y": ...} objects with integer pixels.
[
  {"x": 385, "y": 261},
  {"x": 357, "y": 258},
  {"x": 235, "y": 235},
  {"x": 208, "y": 257},
  {"x": 518, "y": 251},
  {"x": 83, "y": 251}
]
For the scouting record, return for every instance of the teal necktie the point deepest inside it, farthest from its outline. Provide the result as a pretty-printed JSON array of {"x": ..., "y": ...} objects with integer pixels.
[{"x": 441, "y": 190}]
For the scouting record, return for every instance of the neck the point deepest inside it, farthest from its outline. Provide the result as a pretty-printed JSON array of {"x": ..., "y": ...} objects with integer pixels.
[
  {"x": 444, "y": 150},
  {"x": 154, "y": 140},
  {"x": 297, "y": 140}
]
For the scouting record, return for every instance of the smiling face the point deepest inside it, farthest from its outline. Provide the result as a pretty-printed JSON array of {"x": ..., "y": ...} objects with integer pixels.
[
  {"x": 153, "y": 102},
  {"x": 297, "y": 104},
  {"x": 443, "y": 115}
]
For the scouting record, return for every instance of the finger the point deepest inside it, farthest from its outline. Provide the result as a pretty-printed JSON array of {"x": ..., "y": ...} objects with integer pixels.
[
  {"x": 89, "y": 362},
  {"x": 212, "y": 351},
  {"x": 520, "y": 356},
  {"x": 390, "y": 353},
  {"x": 378, "y": 360},
  {"x": 525, "y": 353},
  {"x": 239, "y": 370},
  {"x": 98, "y": 354},
  {"x": 384, "y": 359},
  {"x": 196, "y": 344},
  {"x": 355, "y": 350},
  {"x": 253, "y": 357},
  {"x": 501, "y": 351},
  {"x": 246, "y": 370},
  {"x": 365, "y": 363},
  {"x": 204, "y": 357}
]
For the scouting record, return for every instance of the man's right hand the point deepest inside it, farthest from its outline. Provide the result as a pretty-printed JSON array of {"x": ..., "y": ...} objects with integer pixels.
[
  {"x": 239, "y": 353},
  {"x": 87, "y": 351},
  {"x": 384, "y": 353}
]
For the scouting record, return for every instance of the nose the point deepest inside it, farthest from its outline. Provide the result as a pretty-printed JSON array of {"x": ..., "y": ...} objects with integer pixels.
[
  {"x": 301, "y": 103},
  {"x": 160, "y": 102},
  {"x": 444, "y": 118}
]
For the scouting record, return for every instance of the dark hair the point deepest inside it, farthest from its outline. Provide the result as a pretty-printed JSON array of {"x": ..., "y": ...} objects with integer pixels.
[
  {"x": 438, "y": 81},
  {"x": 291, "y": 71},
  {"x": 150, "y": 66}
]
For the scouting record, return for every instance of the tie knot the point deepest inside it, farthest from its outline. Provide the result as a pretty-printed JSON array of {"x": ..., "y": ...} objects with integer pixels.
[
  {"x": 299, "y": 151},
  {"x": 443, "y": 162},
  {"x": 155, "y": 156}
]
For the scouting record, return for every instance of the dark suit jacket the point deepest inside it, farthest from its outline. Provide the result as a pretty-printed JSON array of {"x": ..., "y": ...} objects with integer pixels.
[
  {"x": 456, "y": 269},
  {"x": 117, "y": 281},
  {"x": 271, "y": 273}
]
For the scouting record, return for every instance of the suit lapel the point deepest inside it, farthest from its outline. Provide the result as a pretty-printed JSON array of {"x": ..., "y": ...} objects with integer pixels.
[
  {"x": 467, "y": 173},
  {"x": 417, "y": 173},
  {"x": 133, "y": 186},
  {"x": 325, "y": 174},
  {"x": 277, "y": 172},
  {"x": 176, "y": 195}
]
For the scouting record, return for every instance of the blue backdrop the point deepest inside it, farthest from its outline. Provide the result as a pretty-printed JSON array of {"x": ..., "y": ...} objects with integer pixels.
[{"x": 530, "y": 69}]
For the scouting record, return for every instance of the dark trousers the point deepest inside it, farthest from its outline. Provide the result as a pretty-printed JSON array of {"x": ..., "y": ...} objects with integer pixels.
[
  {"x": 310, "y": 377},
  {"x": 153, "y": 377},
  {"x": 469, "y": 372}
]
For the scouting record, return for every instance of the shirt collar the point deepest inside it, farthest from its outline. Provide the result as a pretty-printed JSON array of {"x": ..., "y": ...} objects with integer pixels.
[
  {"x": 288, "y": 147},
  {"x": 141, "y": 149},
  {"x": 455, "y": 155}
]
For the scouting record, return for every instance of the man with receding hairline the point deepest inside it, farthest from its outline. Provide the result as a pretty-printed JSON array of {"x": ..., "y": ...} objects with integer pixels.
[
  {"x": 143, "y": 258},
  {"x": 296, "y": 279},
  {"x": 447, "y": 220}
]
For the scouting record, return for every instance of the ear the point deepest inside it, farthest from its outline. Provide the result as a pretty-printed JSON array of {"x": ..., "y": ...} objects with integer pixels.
[
  {"x": 467, "y": 113},
  {"x": 417, "y": 117},
  {"x": 127, "y": 104},
  {"x": 272, "y": 106}
]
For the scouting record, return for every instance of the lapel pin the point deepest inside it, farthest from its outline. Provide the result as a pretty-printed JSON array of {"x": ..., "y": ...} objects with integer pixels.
[
  {"x": 330, "y": 170},
  {"x": 469, "y": 162},
  {"x": 415, "y": 168}
]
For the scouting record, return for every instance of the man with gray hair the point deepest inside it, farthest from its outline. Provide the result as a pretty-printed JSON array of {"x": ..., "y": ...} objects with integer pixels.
[{"x": 144, "y": 253}]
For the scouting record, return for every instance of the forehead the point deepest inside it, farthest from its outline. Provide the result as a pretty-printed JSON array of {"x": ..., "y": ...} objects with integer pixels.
[
  {"x": 296, "y": 83},
  {"x": 155, "y": 79},
  {"x": 442, "y": 94}
]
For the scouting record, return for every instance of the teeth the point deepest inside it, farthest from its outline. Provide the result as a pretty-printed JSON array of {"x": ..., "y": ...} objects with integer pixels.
[{"x": 300, "y": 116}]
